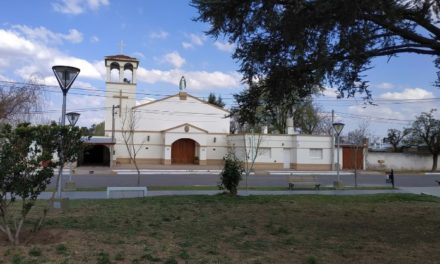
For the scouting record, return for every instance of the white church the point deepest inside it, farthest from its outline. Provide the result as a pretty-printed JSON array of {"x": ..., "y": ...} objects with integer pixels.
[{"x": 183, "y": 129}]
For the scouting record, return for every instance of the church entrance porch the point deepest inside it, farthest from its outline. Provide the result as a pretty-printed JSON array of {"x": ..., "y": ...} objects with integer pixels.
[
  {"x": 183, "y": 151},
  {"x": 95, "y": 155}
]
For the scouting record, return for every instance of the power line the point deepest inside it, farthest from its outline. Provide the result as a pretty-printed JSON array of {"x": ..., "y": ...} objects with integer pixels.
[{"x": 94, "y": 90}]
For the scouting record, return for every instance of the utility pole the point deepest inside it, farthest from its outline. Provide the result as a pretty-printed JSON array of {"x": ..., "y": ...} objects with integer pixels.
[
  {"x": 332, "y": 154},
  {"x": 114, "y": 107}
]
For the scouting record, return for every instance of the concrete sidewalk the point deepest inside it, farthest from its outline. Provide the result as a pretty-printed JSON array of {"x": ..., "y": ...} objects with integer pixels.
[
  {"x": 192, "y": 169},
  {"x": 434, "y": 191}
]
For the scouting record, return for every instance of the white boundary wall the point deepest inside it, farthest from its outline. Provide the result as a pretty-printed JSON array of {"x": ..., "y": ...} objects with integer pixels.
[{"x": 398, "y": 161}]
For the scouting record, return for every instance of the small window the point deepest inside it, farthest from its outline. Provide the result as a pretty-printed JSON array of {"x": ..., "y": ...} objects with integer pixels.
[{"x": 316, "y": 153}]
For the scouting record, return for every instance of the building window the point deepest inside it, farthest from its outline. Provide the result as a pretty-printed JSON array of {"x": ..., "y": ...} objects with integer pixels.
[{"x": 316, "y": 153}]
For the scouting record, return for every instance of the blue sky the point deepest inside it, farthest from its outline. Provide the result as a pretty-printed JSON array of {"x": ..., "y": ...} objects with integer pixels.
[{"x": 35, "y": 35}]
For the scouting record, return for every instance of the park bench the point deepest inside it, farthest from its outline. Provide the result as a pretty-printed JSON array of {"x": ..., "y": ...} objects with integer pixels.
[
  {"x": 438, "y": 181},
  {"x": 309, "y": 180},
  {"x": 126, "y": 192}
]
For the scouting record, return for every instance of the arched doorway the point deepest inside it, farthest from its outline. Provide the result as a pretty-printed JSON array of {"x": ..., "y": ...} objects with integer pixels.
[
  {"x": 183, "y": 151},
  {"x": 95, "y": 155}
]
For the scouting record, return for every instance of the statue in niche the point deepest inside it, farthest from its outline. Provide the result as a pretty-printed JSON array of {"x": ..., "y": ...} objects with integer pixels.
[{"x": 182, "y": 84}]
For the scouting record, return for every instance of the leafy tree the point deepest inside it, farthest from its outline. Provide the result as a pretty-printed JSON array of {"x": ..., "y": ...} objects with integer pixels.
[
  {"x": 396, "y": 138},
  {"x": 218, "y": 101},
  {"x": 99, "y": 129},
  {"x": 255, "y": 108},
  {"x": 94, "y": 130},
  {"x": 302, "y": 44},
  {"x": 426, "y": 131},
  {"x": 26, "y": 168},
  {"x": 231, "y": 174},
  {"x": 249, "y": 110}
]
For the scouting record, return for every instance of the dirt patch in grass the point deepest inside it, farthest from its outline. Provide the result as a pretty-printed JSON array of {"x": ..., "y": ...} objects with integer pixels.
[
  {"x": 255, "y": 229},
  {"x": 42, "y": 237}
]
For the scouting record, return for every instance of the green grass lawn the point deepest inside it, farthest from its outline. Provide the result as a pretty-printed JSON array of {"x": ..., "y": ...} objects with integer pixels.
[{"x": 253, "y": 229}]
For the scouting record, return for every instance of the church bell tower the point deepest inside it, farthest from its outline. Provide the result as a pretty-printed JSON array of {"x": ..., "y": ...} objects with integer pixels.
[{"x": 120, "y": 82}]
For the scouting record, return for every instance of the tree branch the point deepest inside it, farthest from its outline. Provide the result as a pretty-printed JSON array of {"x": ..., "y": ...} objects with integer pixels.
[{"x": 410, "y": 35}]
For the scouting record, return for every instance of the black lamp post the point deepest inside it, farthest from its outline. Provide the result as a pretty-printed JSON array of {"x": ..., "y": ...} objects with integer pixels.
[
  {"x": 72, "y": 117},
  {"x": 65, "y": 75},
  {"x": 338, "y": 129}
]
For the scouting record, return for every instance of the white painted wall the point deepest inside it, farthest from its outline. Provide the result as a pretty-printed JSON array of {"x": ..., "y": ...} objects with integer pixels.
[
  {"x": 303, "y": 145},
  {"x": 273, "y": 148},
  {"x": 172, "y": 111},
  {"x": 398, "y": 161}
]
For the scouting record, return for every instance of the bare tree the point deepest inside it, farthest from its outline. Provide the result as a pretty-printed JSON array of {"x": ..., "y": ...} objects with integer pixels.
[
  {"x": 396, "y": 137},
  {"x": 325, "y": 125},
  {"x": 311, "y": 120},
  {"x": 17, "y": 101},
  {"x": 130, "y": 121},
  {"x": 357, "y": 139},
  {"x": 252, "y": 151},
  {"x": 426, "y": 131}
]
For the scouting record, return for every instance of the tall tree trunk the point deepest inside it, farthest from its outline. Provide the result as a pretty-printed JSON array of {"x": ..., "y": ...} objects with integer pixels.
[{"x": 434, "y": 161}]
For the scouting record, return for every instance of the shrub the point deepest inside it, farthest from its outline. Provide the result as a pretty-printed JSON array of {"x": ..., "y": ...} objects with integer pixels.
[{"x": 231, "y": 173}]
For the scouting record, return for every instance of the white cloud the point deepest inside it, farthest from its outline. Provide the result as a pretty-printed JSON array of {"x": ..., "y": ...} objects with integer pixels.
[
  {"x": 95, "y": 4},
  {"x": 410, "y": 93},
  {"x": 94, "y": 39},
  {"x": 330, "y": 92},
  {"x": 196, "y": 80},
  {"x": 386, "y": 86},
  {"x": 14, "y": 44},
  {"x": 45, "y": 36},
  {"x": 174, "y": 59},
  {"x": 159, "y": 35},
  {"x": 145, "y": 100},
  {"x": 225, "y": 46},
  {"x": 74, "y": 36},
  {"x": 187, "y": 45},
  {"x": 76, "y": 7},
  {"x": 193, "y": 40},
  {"x": 138, "y": 55},
  {"x": 27, "y": 57},
  {"x": 381, "y": 112}
]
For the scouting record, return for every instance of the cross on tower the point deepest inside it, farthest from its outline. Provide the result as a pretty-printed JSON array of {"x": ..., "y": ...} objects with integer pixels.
[
  {"x": 120, "y": 100},
  {"x": 121, "y": 47}
]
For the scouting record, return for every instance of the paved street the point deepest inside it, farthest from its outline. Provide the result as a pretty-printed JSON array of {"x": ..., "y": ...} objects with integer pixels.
[{"x": 189, "y": 179}]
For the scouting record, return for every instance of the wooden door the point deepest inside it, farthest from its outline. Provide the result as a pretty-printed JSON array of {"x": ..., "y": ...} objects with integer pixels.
[
  {"x": 183, "y": 151},
  {"x": 352, "y": 156}
]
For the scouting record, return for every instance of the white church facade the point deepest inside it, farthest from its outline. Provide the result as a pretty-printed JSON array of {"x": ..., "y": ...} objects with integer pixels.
[{"x": 183, "y": 129}]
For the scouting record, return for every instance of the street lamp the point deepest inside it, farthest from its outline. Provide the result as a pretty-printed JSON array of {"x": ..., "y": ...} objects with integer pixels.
[
  {"x": 338, "y": 129},
  {"x": 65, "y": 75},
  {"x": 72, "y": 117}
]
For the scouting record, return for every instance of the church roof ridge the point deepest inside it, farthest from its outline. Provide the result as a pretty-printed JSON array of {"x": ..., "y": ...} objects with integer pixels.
[
  {"x": 175, "y": 95},
  {"x": 186, "y": 124}
]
